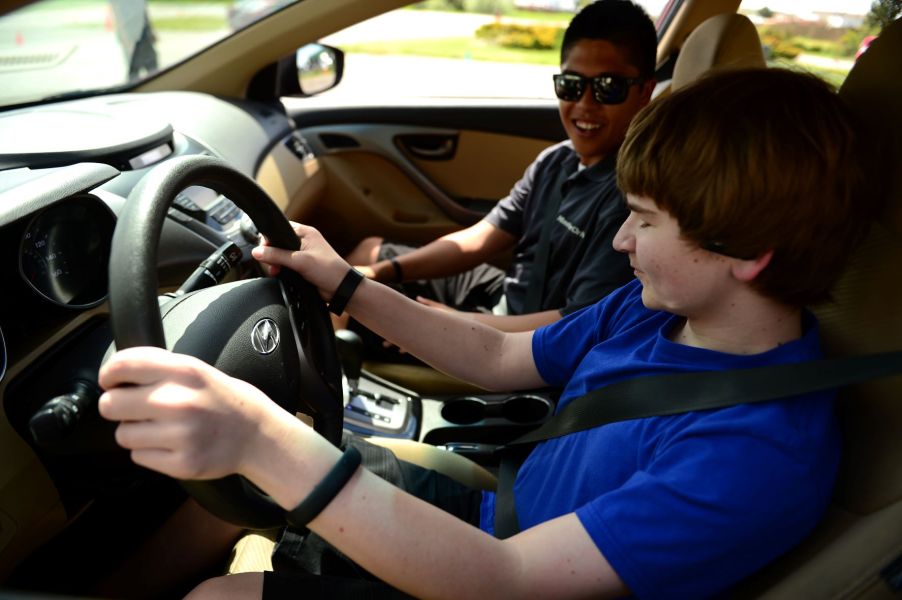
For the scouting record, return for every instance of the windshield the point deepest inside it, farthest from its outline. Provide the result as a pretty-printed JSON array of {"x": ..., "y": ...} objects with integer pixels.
[
  {"x": 80, "y": 47},
  {"x": 54, "y": 47}
]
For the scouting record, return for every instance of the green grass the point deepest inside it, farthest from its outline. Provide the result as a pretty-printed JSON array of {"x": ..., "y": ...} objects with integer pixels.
[
  {"x": 513, "y": 13},
  {"x": 543, "y": 17},
  {"x": 189, "y": 23},
  {"x": 832, "y": 76},
  {"x": 457, "y": 48},
  {"x": 816, "y": 46},
  {"x": 66, "y": 4}
]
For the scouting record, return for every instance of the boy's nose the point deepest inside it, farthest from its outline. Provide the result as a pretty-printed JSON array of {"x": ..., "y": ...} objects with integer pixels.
[{"x": 623, "y": 240}]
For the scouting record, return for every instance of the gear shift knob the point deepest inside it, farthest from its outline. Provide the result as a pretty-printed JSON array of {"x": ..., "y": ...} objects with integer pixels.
[{"x": 350, "y": 352}]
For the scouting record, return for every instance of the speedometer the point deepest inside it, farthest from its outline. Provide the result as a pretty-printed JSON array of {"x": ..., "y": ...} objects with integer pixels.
[{"x": 65, "y": 252}]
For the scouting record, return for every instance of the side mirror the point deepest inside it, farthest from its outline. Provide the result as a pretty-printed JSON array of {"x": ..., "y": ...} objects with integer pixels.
[
  {"x": 311, "y": 69},
  {"x": 319, "y": 68}
]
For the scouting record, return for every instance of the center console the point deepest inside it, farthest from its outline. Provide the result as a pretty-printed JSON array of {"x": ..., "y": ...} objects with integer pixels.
[{"x": 471, "y": 425}]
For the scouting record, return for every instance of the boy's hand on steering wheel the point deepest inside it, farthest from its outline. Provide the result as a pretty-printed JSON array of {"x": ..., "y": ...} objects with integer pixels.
[
  {"x": 180, "y": 416},
  {"x": 316, "y": 261}
]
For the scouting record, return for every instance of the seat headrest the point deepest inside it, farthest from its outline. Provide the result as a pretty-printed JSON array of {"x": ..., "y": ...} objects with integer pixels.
[
  {"x": 874, "y": 90},
  {"x": 727, "y": 41},
  {"x": 865, "y": 315}
]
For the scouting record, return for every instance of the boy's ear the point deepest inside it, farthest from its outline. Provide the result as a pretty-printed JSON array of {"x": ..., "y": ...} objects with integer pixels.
[{"x": 746, "y": 270}]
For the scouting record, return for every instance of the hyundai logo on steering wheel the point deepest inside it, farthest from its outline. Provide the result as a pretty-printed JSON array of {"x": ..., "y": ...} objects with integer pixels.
[{"x": 265, "y": 336}]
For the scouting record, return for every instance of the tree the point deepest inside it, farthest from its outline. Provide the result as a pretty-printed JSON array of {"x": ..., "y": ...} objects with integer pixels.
[
  {"x": 883, "y": 12},
  {"x": 765, "y": 13}
]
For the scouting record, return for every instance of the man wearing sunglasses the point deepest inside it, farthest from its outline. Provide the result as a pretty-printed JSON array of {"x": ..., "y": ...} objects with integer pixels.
[{"x": 570, "y": 190}]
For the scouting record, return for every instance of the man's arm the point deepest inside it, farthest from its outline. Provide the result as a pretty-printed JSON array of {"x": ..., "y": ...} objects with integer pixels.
[
  {"x": 449, "y": 255},
  {"x": 184, "y": 418}
]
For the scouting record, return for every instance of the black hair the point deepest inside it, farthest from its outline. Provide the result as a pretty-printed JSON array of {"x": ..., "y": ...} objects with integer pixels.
[{"x": 621, "y": 22}]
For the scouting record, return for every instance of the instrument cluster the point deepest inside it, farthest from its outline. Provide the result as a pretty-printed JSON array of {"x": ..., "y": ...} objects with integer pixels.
[{"x": 64, "y": 252}]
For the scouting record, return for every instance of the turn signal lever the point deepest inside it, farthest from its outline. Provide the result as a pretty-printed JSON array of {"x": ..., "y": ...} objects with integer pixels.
[
  {"x": 213, "y": 270},
  {"x": 350, "y": 352},
  {"x": 60, "y": 415}
]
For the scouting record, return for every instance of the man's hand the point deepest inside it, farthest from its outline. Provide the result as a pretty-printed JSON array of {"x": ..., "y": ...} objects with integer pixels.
[
  {"x": 180, "y": 416},
  {"x": 366, "y": 271}
]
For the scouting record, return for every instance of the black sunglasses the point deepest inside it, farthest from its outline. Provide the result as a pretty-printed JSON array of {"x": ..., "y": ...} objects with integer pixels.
[{"x": 606, "y": 88}]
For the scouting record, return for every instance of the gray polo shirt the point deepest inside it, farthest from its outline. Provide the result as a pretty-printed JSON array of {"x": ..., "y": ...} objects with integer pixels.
[{"x": 583, "y": 266}]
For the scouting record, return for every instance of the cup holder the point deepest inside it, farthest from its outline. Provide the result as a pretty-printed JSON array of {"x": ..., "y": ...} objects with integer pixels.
[
  {"x": 520, "y": 409},
  {"x": 525, "y": 409},
  {"x": 464, "y": 411}
]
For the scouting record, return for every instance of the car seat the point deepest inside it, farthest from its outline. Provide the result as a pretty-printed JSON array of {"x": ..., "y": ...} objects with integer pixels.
[
  {"x": 857, "y": 551},
  {"x": 725, "y": 41}
]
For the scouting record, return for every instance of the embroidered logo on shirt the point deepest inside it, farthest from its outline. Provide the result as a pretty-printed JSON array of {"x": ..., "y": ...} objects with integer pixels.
[{"x": 571, "y": 227}]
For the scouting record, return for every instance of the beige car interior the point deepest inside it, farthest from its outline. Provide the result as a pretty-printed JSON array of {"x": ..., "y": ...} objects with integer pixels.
[{"x": 725, "y": 41}]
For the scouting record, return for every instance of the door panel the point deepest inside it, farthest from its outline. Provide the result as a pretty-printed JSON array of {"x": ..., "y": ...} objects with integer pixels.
[
  {"x": 485, "y": 165},
  {"x": 368, "y": 194},
  {"x": 413, "y": 174}
]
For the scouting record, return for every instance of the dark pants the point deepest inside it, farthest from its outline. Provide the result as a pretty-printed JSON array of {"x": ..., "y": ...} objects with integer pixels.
[
  {"x": 306, "y": 566},
  {"x": 476, "y": 290}
]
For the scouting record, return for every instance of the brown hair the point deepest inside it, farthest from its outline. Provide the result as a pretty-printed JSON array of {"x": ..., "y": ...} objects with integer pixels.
[{"x": 749, "y": 161}]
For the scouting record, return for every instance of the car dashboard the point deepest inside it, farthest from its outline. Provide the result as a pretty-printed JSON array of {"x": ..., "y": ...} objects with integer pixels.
[{"x": 66, "y": 171}]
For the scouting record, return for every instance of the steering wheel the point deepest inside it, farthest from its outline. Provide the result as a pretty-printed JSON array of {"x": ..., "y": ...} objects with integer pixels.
[{"x": 273, "y": 332}]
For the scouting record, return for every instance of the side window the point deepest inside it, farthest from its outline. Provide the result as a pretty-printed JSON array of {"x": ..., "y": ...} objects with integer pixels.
[
  {"x": 505, "y": 49},
  {"x": 824, "y": 38}
]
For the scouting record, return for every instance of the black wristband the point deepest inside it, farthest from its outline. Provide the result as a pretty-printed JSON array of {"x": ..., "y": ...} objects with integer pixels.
[
  {"x": 326, "y": 490},
  {"x": 399, "y": 274},
  {"x": 345, "y": 290}
]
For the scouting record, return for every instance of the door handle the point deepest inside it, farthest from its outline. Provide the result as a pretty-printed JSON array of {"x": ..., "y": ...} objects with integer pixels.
[{"x": 428, "y": 146}]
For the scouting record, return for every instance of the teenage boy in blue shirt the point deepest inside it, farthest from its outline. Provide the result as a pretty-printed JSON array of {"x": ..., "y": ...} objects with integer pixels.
[
  {"x": 726, "y": 245},
  {"x": 614, "y": 42}
]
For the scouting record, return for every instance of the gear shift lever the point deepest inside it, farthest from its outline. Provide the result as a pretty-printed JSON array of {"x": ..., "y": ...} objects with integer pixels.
[{"x": 350, "y": 352}]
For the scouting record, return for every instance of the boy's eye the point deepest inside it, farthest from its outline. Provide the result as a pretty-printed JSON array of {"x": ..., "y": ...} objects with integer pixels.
[{"x": 643, "y": 225}]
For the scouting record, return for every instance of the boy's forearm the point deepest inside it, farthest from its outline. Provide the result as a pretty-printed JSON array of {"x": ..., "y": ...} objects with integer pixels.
[
  {"x": 462, "y": 348},
  {"x": 417, "y": 547},
  {"x": 514, "y": 323}
]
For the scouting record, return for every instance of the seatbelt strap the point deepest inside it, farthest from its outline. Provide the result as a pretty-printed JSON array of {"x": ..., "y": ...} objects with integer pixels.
[{"x": 675, "y": 393}]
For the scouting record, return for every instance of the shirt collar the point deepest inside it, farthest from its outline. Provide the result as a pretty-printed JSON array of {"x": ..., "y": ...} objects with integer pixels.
[{"x": 596, "y": 172}]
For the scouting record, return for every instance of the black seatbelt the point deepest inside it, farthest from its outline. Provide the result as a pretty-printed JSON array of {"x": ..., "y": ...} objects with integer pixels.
[{"x": 675, "y": 393}]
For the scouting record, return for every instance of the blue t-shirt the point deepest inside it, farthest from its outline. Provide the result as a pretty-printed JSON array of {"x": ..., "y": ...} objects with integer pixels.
[{"x": 681, "y": 506}]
